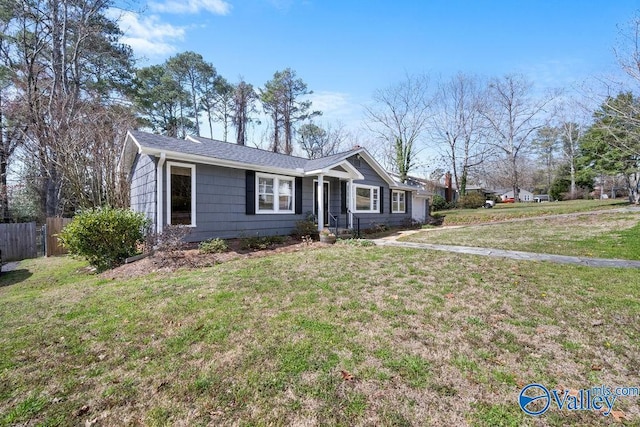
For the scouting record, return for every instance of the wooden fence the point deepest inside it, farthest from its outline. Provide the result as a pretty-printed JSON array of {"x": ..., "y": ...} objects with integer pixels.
[
  {"x": 52, "y": 245},
  {"x": 18, "y": 241}
]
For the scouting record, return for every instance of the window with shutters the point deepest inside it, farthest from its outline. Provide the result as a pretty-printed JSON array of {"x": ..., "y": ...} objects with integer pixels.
[{"x": 275, "y": 194}]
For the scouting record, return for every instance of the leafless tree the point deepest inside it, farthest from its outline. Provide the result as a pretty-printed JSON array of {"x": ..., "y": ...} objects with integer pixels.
[
  {"x": 571, "y": 128},
  {"x": 65, "y": 56},
  {"x": 513, "y": 115},
  {"x": 399, "y": 117},
  {"x": 457, "y": 125}
]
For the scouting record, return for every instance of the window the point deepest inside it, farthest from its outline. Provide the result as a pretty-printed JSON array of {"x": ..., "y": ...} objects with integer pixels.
[
  {"x": 366, "y": 198},
  {"x": 397, "y": 202},
  {"x": 275, "y": 194},
  {"x": 181, "y": 191}
]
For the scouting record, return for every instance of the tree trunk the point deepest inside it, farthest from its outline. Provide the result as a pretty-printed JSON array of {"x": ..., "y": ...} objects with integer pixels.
[
  {"x": 4, "y": 199},
  {"x": 463, "y": 182},
  {"x": 573, "y": 180}
]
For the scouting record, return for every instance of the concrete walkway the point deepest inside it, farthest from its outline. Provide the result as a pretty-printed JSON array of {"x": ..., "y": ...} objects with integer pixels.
[
  {"x": 526, "y": 256},
  {"x": 519, "y": 255}
]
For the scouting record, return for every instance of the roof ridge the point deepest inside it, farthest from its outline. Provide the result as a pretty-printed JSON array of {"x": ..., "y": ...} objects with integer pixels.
[{"x": 249, "y": 147}]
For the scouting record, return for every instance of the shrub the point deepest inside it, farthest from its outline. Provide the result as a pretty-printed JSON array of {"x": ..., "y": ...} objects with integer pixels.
[
  {"x": 435, "y": 219},
  {"x": 259, "y": 243},
  {"x": 306, "y": 227},
  {"x": 171, "y": 240},
  {"x": 471, "y": 201},
  {"x": 213, "y": 246},
  {"x": 105, "y": 236},
  {"x": 438, "y": 203}
]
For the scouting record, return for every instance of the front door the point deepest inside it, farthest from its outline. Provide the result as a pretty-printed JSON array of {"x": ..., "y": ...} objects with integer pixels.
[{"x": 326, "y": 201}]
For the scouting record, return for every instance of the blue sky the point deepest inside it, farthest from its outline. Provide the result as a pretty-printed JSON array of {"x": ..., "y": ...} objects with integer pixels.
[{"x": 345, "y": 50}]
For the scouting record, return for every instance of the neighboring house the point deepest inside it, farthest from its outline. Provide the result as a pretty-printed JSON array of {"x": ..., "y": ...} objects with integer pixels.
[
  {"x": 480, "y": 190},
  {"x": 227, "y": 190},
  {"x": 524, "y": 196}
]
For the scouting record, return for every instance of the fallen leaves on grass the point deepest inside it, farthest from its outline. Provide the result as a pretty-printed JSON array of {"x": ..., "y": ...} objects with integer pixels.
[
  {"x": 618, "y": 416},
  {"x": 449, "y": 296},
  {"x": 346, "y": 376}
]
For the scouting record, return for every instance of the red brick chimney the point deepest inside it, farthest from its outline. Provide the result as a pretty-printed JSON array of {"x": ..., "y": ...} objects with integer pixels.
[{"x": 448, "y": 190}]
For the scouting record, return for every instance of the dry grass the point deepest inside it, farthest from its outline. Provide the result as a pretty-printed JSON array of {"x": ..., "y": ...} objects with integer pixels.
[
  {"x": 507, "y": 211},
  {"x": 606, "y": 235},
  {"x": 430, "y": 339}
]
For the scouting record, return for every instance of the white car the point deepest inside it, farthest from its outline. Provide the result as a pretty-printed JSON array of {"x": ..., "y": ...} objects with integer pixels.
[{"x": 488, "y": 204}]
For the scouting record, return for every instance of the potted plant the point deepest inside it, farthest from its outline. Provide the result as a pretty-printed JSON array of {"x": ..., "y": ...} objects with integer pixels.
[{"x": 326, "y": 236}]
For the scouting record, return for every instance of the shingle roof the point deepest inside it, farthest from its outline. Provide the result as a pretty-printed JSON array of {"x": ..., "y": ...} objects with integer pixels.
[
  {"x": 232, "y": 152},
  {"x": 228, "y": 152}
]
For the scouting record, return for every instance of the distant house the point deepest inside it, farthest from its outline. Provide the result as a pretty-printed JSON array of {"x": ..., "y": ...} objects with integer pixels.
[
  {"x": 523, "y": 196},
  {"x": 227, "y": 190},
  {"x": 480, "y": 190}
]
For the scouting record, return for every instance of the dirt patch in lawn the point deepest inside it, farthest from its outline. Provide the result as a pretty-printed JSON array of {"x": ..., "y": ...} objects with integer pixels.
[{"x": 190, "y": 257}]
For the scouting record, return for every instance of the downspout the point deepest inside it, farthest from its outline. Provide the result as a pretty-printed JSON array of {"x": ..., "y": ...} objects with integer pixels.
[
  {"x": 159, "y": 191},
  {"x": 320, "y": 193},
  {"x": 350, "y": 202}
]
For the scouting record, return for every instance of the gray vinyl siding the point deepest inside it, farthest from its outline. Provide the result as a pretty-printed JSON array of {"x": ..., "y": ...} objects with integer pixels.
[
  {"x": 221, "y": 209},
  {"x": 371, "y": 220},
  {"x": 221, "y": 202},
  {"x": 143, "y": 186}
]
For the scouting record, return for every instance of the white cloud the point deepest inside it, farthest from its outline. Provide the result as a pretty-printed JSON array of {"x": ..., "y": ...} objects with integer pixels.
[
  {"x": 330, "y": 103},
  {"x": 218, "y": 7},
  {"x": 148, "y": 36}
]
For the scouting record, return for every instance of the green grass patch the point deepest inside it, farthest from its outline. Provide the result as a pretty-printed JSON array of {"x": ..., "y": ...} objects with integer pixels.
[
  {"x": 603, "y": 235},
  {"x": 506, "y": 211},
  {"x": 340, "y": 335}
]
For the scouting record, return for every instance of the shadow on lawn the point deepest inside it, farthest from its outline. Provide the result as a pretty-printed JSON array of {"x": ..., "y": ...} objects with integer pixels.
[{"x": 9, "y": 278}]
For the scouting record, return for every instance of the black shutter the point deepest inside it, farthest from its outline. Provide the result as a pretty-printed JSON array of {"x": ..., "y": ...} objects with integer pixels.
[
  {"x": 381, "y": 201},
  {"x": 250, "y": 180},
  {"x": 343, "y": 197},
  {"x": 407, "y": 200},
  {"x": 298, "y": 195}
]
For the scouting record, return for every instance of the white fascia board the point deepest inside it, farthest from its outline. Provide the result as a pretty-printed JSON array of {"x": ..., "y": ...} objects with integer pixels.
[
  {"x": 220, "y": 162},
  {"x": 126, "y": 152},
  {"x": 404, "y": 187},
  {"x": 351, "y": 171}
]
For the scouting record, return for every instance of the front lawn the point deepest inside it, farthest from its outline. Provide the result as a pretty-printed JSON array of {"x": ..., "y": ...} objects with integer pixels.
[
  {"x": 507, "y": 211},
  {"x": 603, "y": 235},
  {"x": 332, "y": 336}
]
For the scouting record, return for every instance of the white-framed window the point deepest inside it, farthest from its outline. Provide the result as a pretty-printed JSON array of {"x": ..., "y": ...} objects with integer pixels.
[
  {"x": 367, "y": 198},
  {"x": 398, "y": 202},
  {"x": 181, "y": 194},
  {"x": 275, "y": 193}
]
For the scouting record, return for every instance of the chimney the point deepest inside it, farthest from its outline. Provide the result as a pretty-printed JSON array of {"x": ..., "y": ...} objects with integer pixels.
[{"x": 448, "y": 190}]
